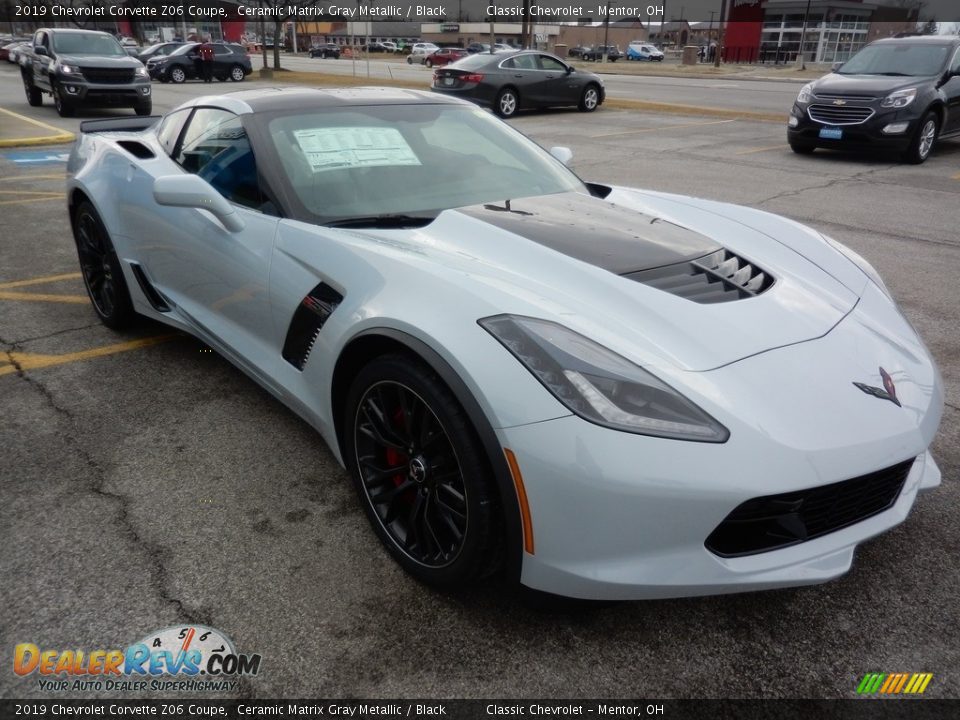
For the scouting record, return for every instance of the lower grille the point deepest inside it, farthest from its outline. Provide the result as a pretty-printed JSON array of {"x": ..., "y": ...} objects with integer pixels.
[
  {"x": 777, "y": 521},
  {"x": 839, "y": 115},
  {"x": 720, "y": 276},
  {"x": 108, "y": 76}
]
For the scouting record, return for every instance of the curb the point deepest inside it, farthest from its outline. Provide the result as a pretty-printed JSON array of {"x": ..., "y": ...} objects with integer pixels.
[{"x": 61, "y": 136}]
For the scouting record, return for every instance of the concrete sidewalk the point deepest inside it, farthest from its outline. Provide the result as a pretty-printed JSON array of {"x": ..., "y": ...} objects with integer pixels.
[{"x": 18, "y": 130}]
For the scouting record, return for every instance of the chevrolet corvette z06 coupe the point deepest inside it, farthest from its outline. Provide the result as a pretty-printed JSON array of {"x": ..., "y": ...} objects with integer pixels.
[{"x": 599, "y": 391}]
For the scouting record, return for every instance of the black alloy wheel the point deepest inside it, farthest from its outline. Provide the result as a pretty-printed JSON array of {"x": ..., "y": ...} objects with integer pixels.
[
  {"x": 34, "y": 96},
  {"x": 102, "y": 274},
  {"x": 421, "y": 473},
  {"x": 64, "y": 108}
]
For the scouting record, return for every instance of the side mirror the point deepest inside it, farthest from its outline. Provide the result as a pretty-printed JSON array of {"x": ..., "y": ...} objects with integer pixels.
[
  {"x": 40, "y": 50},
  {"x": 563, "y": 154},
  {"x": 570, "y": 69},
  {"x": 194, "y": 192},
  {"x": 836, "y": 66}
]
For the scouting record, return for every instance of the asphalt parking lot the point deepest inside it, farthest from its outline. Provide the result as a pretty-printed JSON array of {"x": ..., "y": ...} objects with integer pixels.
[{"x": 147, "y": 483}]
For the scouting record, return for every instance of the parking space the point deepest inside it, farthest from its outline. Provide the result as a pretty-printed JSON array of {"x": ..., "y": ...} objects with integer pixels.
[{"x": 147, "y": 482}]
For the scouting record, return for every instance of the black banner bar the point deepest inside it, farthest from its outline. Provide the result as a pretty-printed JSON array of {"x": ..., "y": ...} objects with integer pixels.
[{"x": 859, "y": 709}]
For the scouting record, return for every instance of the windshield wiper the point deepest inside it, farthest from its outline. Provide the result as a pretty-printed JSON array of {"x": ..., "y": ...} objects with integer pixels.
[{"x": 382, "y": 221}]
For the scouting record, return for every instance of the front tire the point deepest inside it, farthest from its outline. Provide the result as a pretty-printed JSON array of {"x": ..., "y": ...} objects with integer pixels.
[
  {"x": 177, "y": 75},
  {"x": 421, "y": 473},
  {"x": 64, "y": 108},
  {"x": 237, "y": 74},
  {"x": 590, "y": 99},
  {"x": 101, "y": 270},
  {"x": 507, "y": 103},
  {"x": 924, "y": 140},
  {"x": 428, "y": 63}
]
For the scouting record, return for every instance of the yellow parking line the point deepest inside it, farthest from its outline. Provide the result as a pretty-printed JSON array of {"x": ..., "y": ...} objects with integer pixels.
[
  {"x": 665, "y": 127},
  {"x": 33, "y": 177},
  {"x": 31, "y": 192},
  {"x": 44, "y": 297},
  {"x": 60, "y": 135},
  {"x": 21, "y": 201},
  {"x": 41, "y": 280},
  {"x": 956, "y": 177},
  {"x": 35, "y": 361},
  {"x": 751, "y": 151}
]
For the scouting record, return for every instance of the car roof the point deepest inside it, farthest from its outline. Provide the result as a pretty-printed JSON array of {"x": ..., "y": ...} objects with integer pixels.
[
  {"x": 919, "y": 40},
  {"x": 292, "y": 98}
]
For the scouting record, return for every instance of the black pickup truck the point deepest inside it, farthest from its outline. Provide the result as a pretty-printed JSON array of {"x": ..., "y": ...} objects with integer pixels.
[{"x": 84, "y": 68}]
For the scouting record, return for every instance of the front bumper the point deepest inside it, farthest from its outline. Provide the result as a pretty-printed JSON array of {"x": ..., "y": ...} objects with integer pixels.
[
  {"x": 80, "y": 92},
  {"x": 621, "y": 516},
  {"x": 869, "y": 134}
]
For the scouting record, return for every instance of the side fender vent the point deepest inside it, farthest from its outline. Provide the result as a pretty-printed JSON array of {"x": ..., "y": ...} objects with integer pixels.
[
  {"x": 154, "y": 297},
  {"x": 308, "y": 319},
  {"x": 136, "y": 149}
]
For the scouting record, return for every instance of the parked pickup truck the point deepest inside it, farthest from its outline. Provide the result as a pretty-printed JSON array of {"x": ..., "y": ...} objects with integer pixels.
[{"x": 84, "y": 68}]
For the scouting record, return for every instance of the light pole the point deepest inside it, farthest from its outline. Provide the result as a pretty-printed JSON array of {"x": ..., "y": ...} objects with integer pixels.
[
  {"x": 606, "y": 34},
  {"x": 801, "y": 61},
  {"x": 721, "y": 33}
]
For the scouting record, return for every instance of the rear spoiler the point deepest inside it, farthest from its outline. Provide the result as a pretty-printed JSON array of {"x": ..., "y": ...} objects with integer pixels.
[{"x": 120, "y": 124}]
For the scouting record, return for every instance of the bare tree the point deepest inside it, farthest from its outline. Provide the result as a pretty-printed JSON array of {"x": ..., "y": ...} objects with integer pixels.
[{"x": 280, "y": 12}]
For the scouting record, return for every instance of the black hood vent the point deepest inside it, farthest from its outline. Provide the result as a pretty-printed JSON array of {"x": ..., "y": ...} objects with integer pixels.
[{"x": 718, "y": 277}]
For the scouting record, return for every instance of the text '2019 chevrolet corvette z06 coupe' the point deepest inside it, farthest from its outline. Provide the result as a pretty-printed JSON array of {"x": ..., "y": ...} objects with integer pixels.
[{"x": 600, "y": 391}]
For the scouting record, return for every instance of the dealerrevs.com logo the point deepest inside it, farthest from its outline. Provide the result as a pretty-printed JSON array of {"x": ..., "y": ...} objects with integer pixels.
[
  {"x": 894, "y": 683},
  {"x": 187, "y": 658}
]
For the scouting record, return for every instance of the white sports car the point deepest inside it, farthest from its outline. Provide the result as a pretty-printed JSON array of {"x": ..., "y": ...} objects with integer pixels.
[{"x": 603, "y": 392}]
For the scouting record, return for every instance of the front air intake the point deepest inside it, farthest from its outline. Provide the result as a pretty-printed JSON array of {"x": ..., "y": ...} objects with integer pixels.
[
  {"x": 718, "y": 277},
  {"x": 777, "y": 521}
]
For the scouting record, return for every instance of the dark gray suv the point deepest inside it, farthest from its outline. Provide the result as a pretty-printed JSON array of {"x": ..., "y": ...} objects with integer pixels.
[{"x": 898, "y": 94}]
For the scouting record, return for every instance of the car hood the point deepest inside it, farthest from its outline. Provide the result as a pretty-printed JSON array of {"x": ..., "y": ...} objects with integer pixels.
[
  {"x": 573, "y": 259},
  {"x": 100, "y": 61},
  {"x": 872, "y": 85}
]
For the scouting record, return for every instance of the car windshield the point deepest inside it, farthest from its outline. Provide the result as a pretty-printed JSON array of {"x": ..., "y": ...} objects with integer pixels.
[
  {"x": 897, "y": 59},
  {"x": 87, "y": 44},
  {"x": 373, "y": 161}
]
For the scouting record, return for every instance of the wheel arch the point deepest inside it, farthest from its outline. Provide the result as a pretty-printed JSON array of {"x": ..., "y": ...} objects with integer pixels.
[{"x": 373, "y": 343}]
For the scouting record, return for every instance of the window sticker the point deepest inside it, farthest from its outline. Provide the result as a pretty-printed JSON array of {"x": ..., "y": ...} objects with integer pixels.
[{"x": 350, "y": 147}]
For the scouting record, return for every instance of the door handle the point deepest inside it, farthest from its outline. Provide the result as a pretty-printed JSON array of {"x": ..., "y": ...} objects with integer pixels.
[
  {"x": 518, "y": 75},
  {"x": 551, "y": 77}
]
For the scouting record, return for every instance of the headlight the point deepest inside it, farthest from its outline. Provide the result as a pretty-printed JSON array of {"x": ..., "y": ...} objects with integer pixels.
[
  {"x": 599, "y": 385},
  {"x": 869, "y": 270},
  {"x": 69, "y": 69},
  {"x": 141, "y": 72},
  {"x": 805, "y": 93},
  {"x": 899, "y": 99}
]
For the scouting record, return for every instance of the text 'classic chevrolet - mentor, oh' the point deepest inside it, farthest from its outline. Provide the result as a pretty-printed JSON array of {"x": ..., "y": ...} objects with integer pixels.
[{"x": 603, "y": 392}]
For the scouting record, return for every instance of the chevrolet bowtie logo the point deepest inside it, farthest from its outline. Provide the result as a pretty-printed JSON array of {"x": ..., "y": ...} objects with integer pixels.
[{"x": 839, "y": 102}]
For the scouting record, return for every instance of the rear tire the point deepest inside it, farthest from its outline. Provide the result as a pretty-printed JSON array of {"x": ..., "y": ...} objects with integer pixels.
[
  {"x": 34, "y": 95},
  {"x": 237, "y": 74},
  {"x": 421, "y": 473},
  {"x": 802, "y": 148},
  {"x": 101, "y": 270},
  {"x": 507, "y": 103},
  {"x": 924, "y": 140},
  {"x": 428, "y": 63}
]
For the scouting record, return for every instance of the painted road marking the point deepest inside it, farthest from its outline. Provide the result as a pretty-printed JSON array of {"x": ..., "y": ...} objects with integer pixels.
[
  {"x": 956, "y": 177},
  {"x": 16, "y": 361},
  {"x": 33, "y": 177},
  {"x": 7, "y": 287},
  {"x": 21, "y": 201},
  {"x": 34, "y": 157},
  {"x": 665, "y": 127},
  {"x": 780, "y": 146},
  {"x": 60, "y": 135}
]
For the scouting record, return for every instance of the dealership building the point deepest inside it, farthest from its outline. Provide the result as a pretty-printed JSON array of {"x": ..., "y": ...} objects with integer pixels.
[{"x": 760, "y": 30}]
